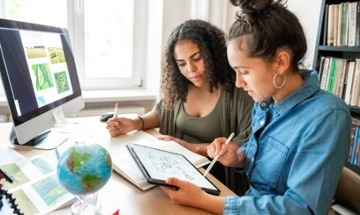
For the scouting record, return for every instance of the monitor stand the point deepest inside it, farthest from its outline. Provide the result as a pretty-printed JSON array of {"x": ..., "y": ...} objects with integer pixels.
[
  {"x": 33, "y": 142},
  {"x": 48, "y": 139}
]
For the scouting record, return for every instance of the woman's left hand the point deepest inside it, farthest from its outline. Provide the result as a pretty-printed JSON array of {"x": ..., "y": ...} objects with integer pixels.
[
  {"x": 191, "y": 195},
  {"x": 187, "y": 194}
]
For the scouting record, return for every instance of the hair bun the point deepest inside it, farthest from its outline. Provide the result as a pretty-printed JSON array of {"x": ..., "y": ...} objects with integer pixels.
[
  {"x": 254, "y": 5},
  {"x": 252, "y": 10}
]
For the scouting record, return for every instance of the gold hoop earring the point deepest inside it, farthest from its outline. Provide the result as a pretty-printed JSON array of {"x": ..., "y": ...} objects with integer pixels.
[{"x": 282, "y": 84}]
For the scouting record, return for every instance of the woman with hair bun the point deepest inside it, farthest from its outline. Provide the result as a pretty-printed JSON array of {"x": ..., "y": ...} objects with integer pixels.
[{"x": 300, "y": 133}]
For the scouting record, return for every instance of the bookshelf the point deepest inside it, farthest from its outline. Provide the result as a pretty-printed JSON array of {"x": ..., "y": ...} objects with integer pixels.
[{"x": 338, "y": 38}]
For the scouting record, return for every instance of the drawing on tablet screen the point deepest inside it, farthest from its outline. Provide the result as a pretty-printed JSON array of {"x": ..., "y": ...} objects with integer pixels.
[{"x": 170, "y": 166}]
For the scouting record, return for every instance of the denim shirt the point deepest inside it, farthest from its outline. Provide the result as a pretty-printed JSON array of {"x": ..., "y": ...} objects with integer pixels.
[{"x": 295, "y": 154}]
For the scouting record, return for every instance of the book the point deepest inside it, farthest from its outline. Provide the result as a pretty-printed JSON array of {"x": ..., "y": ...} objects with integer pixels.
[
  {"x": 337, "y": 14},
  {"x": 340, "y": 77},
  {"x": 357, "y": 156},
  {"x": 332, "y": 72},
  {"x": 125, "y": 165},
  {"x": 326, "y": 30},
  {"x": 331, "y": 25},
  {"x": 354, "y": 146},
  {"x": 325, "y": 72},
  {"x": 357, "y": 28},
  {"x": 349, "y": 78},
  {"x": 344, "y": 24},
  {"x": 352, "y": 23},
  {"x": 35, "y": 188},
  {"x": 157, "y": 165},
  {"x": 355, "y": 94}
]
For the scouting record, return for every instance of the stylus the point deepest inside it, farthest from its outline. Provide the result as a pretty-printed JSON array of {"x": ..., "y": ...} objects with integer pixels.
[{"x": 217, "y": 156}]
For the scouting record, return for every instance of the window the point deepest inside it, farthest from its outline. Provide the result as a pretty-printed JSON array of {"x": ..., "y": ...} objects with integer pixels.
[{"x": 103, "y": 36}]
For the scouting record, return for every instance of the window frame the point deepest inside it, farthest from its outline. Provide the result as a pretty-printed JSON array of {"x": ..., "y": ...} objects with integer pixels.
[
  {"x": 76, "y": 31},
  {"x": 75, "y": 21}
]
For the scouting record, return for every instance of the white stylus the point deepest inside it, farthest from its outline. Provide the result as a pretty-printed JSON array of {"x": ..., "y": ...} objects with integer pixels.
[{"x": 217, "y": 156}]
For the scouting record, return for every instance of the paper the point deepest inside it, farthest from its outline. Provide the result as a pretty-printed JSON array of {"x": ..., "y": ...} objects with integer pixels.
[{"x": 8, "y": 155}]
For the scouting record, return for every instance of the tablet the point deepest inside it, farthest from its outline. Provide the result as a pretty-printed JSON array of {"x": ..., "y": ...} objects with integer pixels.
[{"x": 157, "y": 165}]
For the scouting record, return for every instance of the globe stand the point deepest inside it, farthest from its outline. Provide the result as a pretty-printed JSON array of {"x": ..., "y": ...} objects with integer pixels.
[{"x": 87, "y": 204}]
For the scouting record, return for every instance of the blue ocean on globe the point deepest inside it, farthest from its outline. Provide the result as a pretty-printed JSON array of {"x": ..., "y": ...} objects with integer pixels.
[{"x": 84, "y": 168}]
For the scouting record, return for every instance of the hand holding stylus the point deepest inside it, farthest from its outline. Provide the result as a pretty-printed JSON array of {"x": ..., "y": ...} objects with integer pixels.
[{"x": 217, "y": 156}]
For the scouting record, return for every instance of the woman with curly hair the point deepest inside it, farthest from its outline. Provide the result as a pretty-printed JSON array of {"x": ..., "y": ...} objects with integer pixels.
[
  {"x": 300, "y": 133},
  {"x": 199, "y": 100}
]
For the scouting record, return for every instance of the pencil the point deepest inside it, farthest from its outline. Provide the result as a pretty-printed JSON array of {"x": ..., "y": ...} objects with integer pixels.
[
  {"x": 4, "y": 175},
  {"x": 217, "y": 156},
  {"x": 115, "y": 110}
]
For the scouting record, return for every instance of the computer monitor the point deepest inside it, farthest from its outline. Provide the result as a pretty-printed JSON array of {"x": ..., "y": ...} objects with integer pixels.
[{"x": 39, "y": 77}]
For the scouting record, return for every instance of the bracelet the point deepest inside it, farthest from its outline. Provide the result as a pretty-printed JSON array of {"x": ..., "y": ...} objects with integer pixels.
[{"x": 142, "y": 121}]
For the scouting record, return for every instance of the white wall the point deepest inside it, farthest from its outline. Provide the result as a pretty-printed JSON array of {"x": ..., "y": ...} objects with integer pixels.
[
  {"x": 164, "y": 15},
  {"x": 222, "y": 14},
  {"x": 308, "y": 11},
  {"x": 219, "y": 12}
]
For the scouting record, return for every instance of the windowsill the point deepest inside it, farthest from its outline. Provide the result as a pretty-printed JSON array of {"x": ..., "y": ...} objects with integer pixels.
[
  {"x": 99, "y": 98},
  {"x": 91, "y": 96}
]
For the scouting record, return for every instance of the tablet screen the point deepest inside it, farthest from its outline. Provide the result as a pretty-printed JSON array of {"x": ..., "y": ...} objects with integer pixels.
[{"x": 157, "y": 165}]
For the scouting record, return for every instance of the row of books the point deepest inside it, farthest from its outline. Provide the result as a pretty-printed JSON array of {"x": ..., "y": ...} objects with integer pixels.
[
  {"x": 342, "y": 77},
  {"x": 354, "y": 153},
  {"x": 342, "y": 24}
]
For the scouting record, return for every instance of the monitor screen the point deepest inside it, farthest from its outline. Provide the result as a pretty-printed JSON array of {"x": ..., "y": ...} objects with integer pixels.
[{"x": 39, "y": 77}]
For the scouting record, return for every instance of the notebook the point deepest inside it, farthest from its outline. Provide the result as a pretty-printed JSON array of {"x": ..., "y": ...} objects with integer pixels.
[
  {"x": 34, "y": 189},
  {"x": 8, "y": 204}
]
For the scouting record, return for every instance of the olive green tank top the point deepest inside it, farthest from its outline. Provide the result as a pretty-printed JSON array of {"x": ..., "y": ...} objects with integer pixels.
[{"x": 200, "y": 129}]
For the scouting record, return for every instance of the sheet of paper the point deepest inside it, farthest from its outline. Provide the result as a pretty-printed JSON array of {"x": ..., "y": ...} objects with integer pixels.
[{"x": 9, "y": 155}]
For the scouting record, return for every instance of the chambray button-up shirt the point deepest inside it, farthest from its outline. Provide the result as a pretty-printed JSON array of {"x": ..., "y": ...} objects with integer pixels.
[{"x": 295, "y": 154}]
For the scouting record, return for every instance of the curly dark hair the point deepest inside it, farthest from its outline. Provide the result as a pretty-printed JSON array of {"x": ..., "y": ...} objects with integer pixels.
[
  {"x": 212, "y": 45},
  {"x": 270, "y": 26}
]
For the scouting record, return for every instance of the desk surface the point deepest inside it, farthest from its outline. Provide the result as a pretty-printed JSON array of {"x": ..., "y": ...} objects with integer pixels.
[{"x": 117, "y": 193}]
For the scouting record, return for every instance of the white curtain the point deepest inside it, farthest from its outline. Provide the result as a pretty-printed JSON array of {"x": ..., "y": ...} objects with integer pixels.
[
  {"x": 200, "y": 9},
  {"x": 219, "y": 12},
  {"x": 164, "y": 15}
]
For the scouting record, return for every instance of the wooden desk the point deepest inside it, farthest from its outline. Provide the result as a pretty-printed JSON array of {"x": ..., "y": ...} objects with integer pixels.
[{"x": 117, "y": 193}]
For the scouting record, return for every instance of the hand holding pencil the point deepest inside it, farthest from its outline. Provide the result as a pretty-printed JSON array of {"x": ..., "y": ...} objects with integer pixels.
[{"x": 119, "y": 125}]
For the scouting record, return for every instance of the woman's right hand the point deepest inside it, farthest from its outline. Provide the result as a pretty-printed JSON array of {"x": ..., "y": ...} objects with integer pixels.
[
  {"x": 229, "y": 155},
  {"x": 120, "y": 125}
]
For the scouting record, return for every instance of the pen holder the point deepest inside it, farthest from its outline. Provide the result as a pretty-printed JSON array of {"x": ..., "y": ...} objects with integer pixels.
[{"x": 87, "y": 204}]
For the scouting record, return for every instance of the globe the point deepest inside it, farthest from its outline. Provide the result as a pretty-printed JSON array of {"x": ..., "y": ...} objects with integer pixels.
[{"x": 84, "y": 168}]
